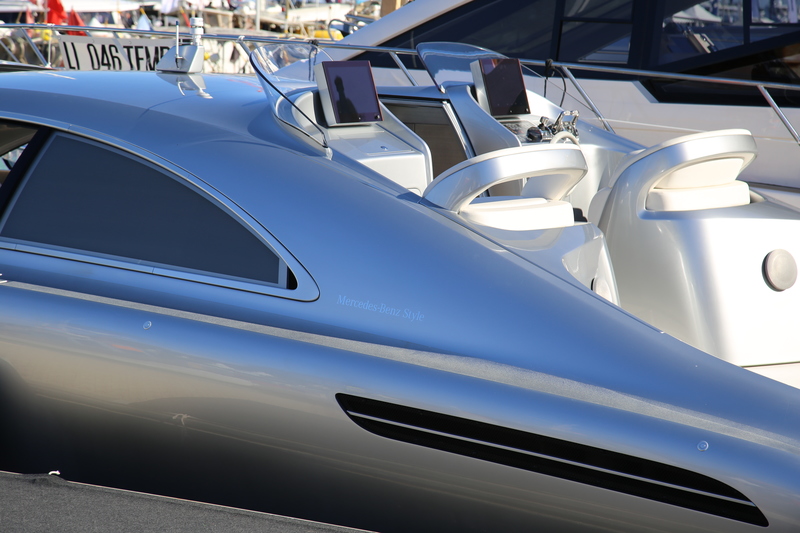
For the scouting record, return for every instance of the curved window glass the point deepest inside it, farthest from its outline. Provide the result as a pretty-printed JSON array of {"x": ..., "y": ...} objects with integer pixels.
[
  {"x": 578, "y": 30},
  {"x": 13, "y": 138},
  {"x": 83, "y": 196},
  {"x": 744, "y": 39},
  {"x": 518, "y": 28},
  {"x": 430, "y": 121},
  {"x": 695, "y": 29}
]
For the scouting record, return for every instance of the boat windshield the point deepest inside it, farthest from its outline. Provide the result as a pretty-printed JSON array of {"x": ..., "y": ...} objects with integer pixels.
[
  {"x": 450, "y": 62},
  {"x": 288, "y": 61},
  {"x": 286, "y": 71}
]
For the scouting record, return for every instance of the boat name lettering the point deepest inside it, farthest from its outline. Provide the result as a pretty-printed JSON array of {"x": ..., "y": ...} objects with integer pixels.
[
  {"x": 95, "y": 53},
  {"x": 381, "y": 308}
]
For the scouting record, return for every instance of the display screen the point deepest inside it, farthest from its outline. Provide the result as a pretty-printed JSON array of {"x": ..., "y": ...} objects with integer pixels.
[
  {"x": 505, "y": 87},
  {"x": 352, "y": 92}
]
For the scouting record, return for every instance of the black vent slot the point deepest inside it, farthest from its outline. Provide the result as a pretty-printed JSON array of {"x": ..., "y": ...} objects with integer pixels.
[{"x": 554, "y": 457}]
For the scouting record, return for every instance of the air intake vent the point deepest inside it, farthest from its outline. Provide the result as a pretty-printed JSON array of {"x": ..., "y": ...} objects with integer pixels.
[{"x": 553, "y": 457}]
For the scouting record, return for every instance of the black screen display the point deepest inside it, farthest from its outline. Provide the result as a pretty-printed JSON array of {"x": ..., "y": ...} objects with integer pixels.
[
  {"x": 352, "y": 91},
  {"x": 505, "y": 88}
]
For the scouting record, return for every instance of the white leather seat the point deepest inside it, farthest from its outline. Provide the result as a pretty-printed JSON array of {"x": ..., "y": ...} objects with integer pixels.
[
  {"x": 551, "y": 170},
  {"x": 515, "y": 213},
  {"x": 683, "y": 174},
  {"x": 696, "y": 198},
  {"x": 687, "y": 245}
]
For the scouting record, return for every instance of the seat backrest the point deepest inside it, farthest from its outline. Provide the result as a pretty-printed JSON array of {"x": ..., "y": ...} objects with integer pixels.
[
  {"x": 666, "y": 239},
  {"x": 519, "y": 214},
  {"x": 638, "y": 155},
  {"x": 687, "y": 173}
]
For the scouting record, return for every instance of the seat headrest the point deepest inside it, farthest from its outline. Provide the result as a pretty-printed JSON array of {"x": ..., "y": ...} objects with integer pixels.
[{"x": 703, "y": 174}]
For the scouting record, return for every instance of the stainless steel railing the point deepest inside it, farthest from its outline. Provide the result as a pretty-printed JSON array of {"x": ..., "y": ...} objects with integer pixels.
[
  {"x": 762, "y": 87},
  {"x": 246, "y": 41}
]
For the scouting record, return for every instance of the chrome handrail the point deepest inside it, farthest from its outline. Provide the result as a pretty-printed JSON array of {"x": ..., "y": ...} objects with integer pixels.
[
  {"x": 587, "y": 99},
  {"x": 778, "y": 111},
  {"x": 763, "y": 87},
  {"x": 14, "y": 58},
  {"x": 565, "y": 67}
]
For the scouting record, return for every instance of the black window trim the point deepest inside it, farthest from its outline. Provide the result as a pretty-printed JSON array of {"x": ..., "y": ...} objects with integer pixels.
[
  {"x": 444, "y": 105},
  {"x": 305, "y": 288}
]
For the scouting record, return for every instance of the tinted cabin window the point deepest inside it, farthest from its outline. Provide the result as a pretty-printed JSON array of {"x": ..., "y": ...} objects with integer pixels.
[
  {"x": 595, "y": 31},
  {"x": 13, "y": 138},
  {"x": 433, "y": 125},
  {"x": 602, "y": 9},
  {"x": 519, "y": 28},
  {"x": 690, "y": 30},
  {"x": 85, "y": 196},
  {"x": 699, "y": 29},
  {"x": 577, "y": 30},
  {"x": 756, "y": 41},
  {"x": 745, "y": 39}
]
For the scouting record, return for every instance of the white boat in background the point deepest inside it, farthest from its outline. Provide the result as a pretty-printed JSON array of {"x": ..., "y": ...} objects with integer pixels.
[
  {"x": 100, "y": 6},
  {"x": 727, "y": 39},
  {"x": 18, "y": 11},
  {"x": 301, "y": 17},
  {"x": 309, "y": 11},
  {"x": 117, "y": 13},
  {"x": 19, "y": 6}
]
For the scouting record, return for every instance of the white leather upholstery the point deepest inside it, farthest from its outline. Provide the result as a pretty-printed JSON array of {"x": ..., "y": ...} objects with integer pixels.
[
  {"x": 514, "y": 213},
  {"x": 694, "y": 138},
  {"x": 693, "y": 172},
  {"x": 696, "y": 198},
  {"x": 703, "y": 174},
  {"x": 551, "y": 171},
  {"x": 687, "y": 247}
]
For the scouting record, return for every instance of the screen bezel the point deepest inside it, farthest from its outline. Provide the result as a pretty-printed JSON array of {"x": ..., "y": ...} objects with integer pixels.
[
  {"x": 496, "y": 75},
  {"x": 357, "y": 76}
]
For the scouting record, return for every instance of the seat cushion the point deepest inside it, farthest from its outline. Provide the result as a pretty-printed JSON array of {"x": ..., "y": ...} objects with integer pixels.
[
  {"x": 704, "y": 174},
  {"x": 519, "y": 214},
  {"x": 727, "y": 195}
]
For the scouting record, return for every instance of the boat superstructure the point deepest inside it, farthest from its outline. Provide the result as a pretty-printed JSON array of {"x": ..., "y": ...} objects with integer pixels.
[
  {"x": 642, "y": 42},
  {"x": 391, "y": 306},
  {"x": 697, "y": 224}
]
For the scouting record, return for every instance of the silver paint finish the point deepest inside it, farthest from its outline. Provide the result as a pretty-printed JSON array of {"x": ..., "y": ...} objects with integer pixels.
[
  {"x": 415, "y": 307},
  {"x": 698, "y": 273}
]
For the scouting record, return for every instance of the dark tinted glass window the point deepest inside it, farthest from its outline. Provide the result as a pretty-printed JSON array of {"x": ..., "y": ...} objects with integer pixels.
[
  {"x": 433, "y": 125},
  {"x": 600, "y": 9},
  {"x": 698, "y": 34},
  {"x": 518, "y": 28},
  {"x": 586, "y": 30},
  {"x": 85, "y": 196},
  {"x": 13, "y": 138},
  {"x": 689, "y": 29},
  {"x": 596, "y": 42}
]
